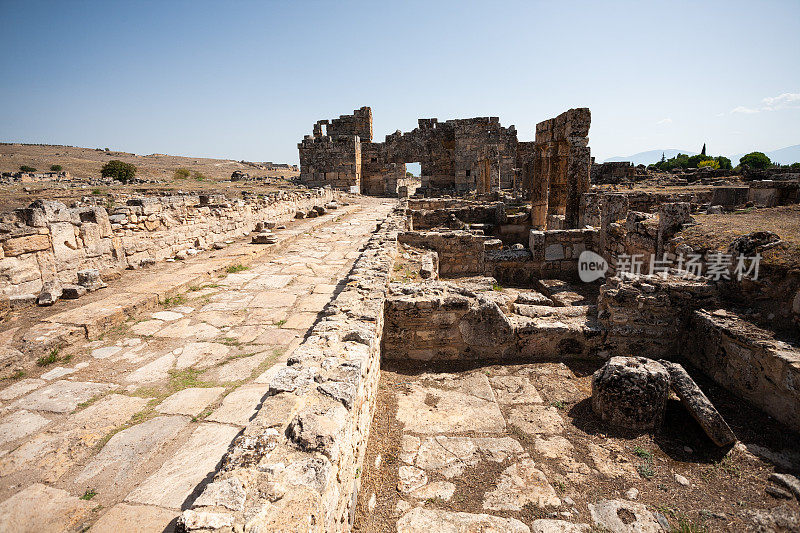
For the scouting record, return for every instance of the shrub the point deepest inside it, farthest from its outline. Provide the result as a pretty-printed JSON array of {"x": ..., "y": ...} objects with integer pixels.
[
  {"x": 710, "y": 163},
  {"x": 56, "y": 168},
  {"x": 118, "y": 170},
  {"x": 795, "y": 166},
  {"x": 199, "y": 176},
  {"x": 26, "y": 168},
  {"x": 755, "y": 160},
  {"x": 182, "y": 173}
]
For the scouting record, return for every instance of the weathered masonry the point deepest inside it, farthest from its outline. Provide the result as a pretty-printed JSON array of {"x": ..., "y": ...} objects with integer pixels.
[{"x": 456, "y": 156}]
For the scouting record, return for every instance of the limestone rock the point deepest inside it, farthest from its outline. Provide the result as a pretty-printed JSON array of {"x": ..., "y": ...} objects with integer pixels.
[
  {"x": 520, "y": 484},
  {"x": 90, "y": 278},
  {"x": 420, "y": 520},
  {"x": 630, "y": 392},
  {"x": 411, "y": 478},
  {"x": 698, "y": 405},
  {"x": 203, "y": 520},
  {"x": 623, "y": 517},
  {"x": 317, "y": 429},
  {"x": 343, "y": 392},
  {"x": 440, "y": 490},
  {"x": 265, "y": 237},
  {"x": 228, "y": 493},
  {"x": 50, "y": 293},
  {"x": 73, "y": 292},
  {"x": 558, "y": 526}
]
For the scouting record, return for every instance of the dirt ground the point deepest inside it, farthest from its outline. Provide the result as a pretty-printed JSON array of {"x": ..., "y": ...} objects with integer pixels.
[
  {"x": 585, "y": 461},
  {"x": 716, "y": 232}
]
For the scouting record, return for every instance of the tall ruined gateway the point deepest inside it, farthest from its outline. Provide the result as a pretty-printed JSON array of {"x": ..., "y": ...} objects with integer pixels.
[{"x": 456, "y": 157}]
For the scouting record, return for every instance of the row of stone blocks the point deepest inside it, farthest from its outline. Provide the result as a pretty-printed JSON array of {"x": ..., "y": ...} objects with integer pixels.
[
  {"x": 296, "y": 465},
  {"x": 49, "y": 241}
]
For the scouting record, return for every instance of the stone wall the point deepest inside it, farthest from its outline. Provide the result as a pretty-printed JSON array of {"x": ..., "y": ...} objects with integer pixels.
[
  {"x": 646, "y": 315},
  {"x": 461, "y": 253},
  {"x": 550, "y": 254},
  {"x": 493, "y": 214},
  {"x": 769, "y": 193},
  {"x": 441, "y": 321},
  {"x": 334, "y": 161},
  {"x": 674, "y": 317},
  {"x": 49, "y": 241},
  {"x": 748, "y": 361},
  {"x": 612, "y": 172},
  {"x": 297, "y": 464}
]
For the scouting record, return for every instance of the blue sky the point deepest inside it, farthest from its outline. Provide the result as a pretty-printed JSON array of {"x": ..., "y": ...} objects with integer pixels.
[{"x": 246, "y": 80}]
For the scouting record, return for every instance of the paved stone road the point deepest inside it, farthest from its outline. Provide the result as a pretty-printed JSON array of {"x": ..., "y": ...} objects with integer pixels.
[{"x": 120, "y": 436}]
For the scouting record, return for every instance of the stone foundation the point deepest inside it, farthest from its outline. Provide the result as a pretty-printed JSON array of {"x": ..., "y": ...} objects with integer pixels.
[{"x": 444, "y": 321}]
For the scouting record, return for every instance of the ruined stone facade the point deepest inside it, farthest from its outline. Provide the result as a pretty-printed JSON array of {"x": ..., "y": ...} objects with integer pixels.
[
  {"x": 561, "y": 161},
  {"x": 456, "y": 156}
]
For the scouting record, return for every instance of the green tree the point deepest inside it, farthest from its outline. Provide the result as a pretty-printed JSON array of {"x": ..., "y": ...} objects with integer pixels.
[
  {"x": 56, "y": 168},
  {"x": 795, "y": 166},
  {"x": 26, "y": 168},
  {"x": 755, "y": 160},
  {"x": 695, "y": 160},
  {"x": 703, "y": 151},
  {"x": 708, "y": 163},
  {"x": 724, "y": 162},
  {"x": 118, "y": 170}
]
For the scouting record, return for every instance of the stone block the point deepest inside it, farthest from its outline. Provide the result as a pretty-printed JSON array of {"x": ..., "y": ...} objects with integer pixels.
[
  {"x": 631, "y": 392},
  {"x": 27, "y": 244}
]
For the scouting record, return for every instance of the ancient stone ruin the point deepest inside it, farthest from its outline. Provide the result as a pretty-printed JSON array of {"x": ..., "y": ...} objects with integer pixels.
[
  {"x": 456, "y": 156},
  {"x": 497, "y": 345}
]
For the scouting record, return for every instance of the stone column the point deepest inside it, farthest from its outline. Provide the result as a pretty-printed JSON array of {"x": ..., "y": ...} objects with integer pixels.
[{"x": 540, "y": 187}]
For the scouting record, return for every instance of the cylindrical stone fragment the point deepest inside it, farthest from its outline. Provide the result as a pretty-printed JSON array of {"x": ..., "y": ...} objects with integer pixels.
[{"x": 631, "y": 392}]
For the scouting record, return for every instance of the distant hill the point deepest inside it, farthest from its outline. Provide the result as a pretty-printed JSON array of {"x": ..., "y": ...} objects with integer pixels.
[
  {"x": 653, "y": 156},
  {"x": 784, "y": 156}
]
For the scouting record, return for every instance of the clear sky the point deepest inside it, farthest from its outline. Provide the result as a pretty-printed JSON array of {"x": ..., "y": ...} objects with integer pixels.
[{"x": 246, "y": 80}]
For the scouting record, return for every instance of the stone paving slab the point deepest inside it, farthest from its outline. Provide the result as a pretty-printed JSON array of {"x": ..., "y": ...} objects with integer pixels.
[
  {"x": 126, "y": 518},
  {"x": 43, "y": 508},
  {"x": 55, "y": 450},
  {"x": 97, "y": 316},
  {"x": 189, "y": 401},
  {"x": 61, "y": 396},
  {"x": 239, "y": 406},
  {"x": 434, "y": 410},
  {"x": 129, "y": 450},
  {"x": 20, "y": 424},
  {"x": 20, "y": 387},
  {"x": 178, "y": 478}
]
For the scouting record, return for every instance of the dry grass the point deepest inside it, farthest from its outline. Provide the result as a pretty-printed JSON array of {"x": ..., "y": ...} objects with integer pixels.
[{"x": 716, "y": 232}]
